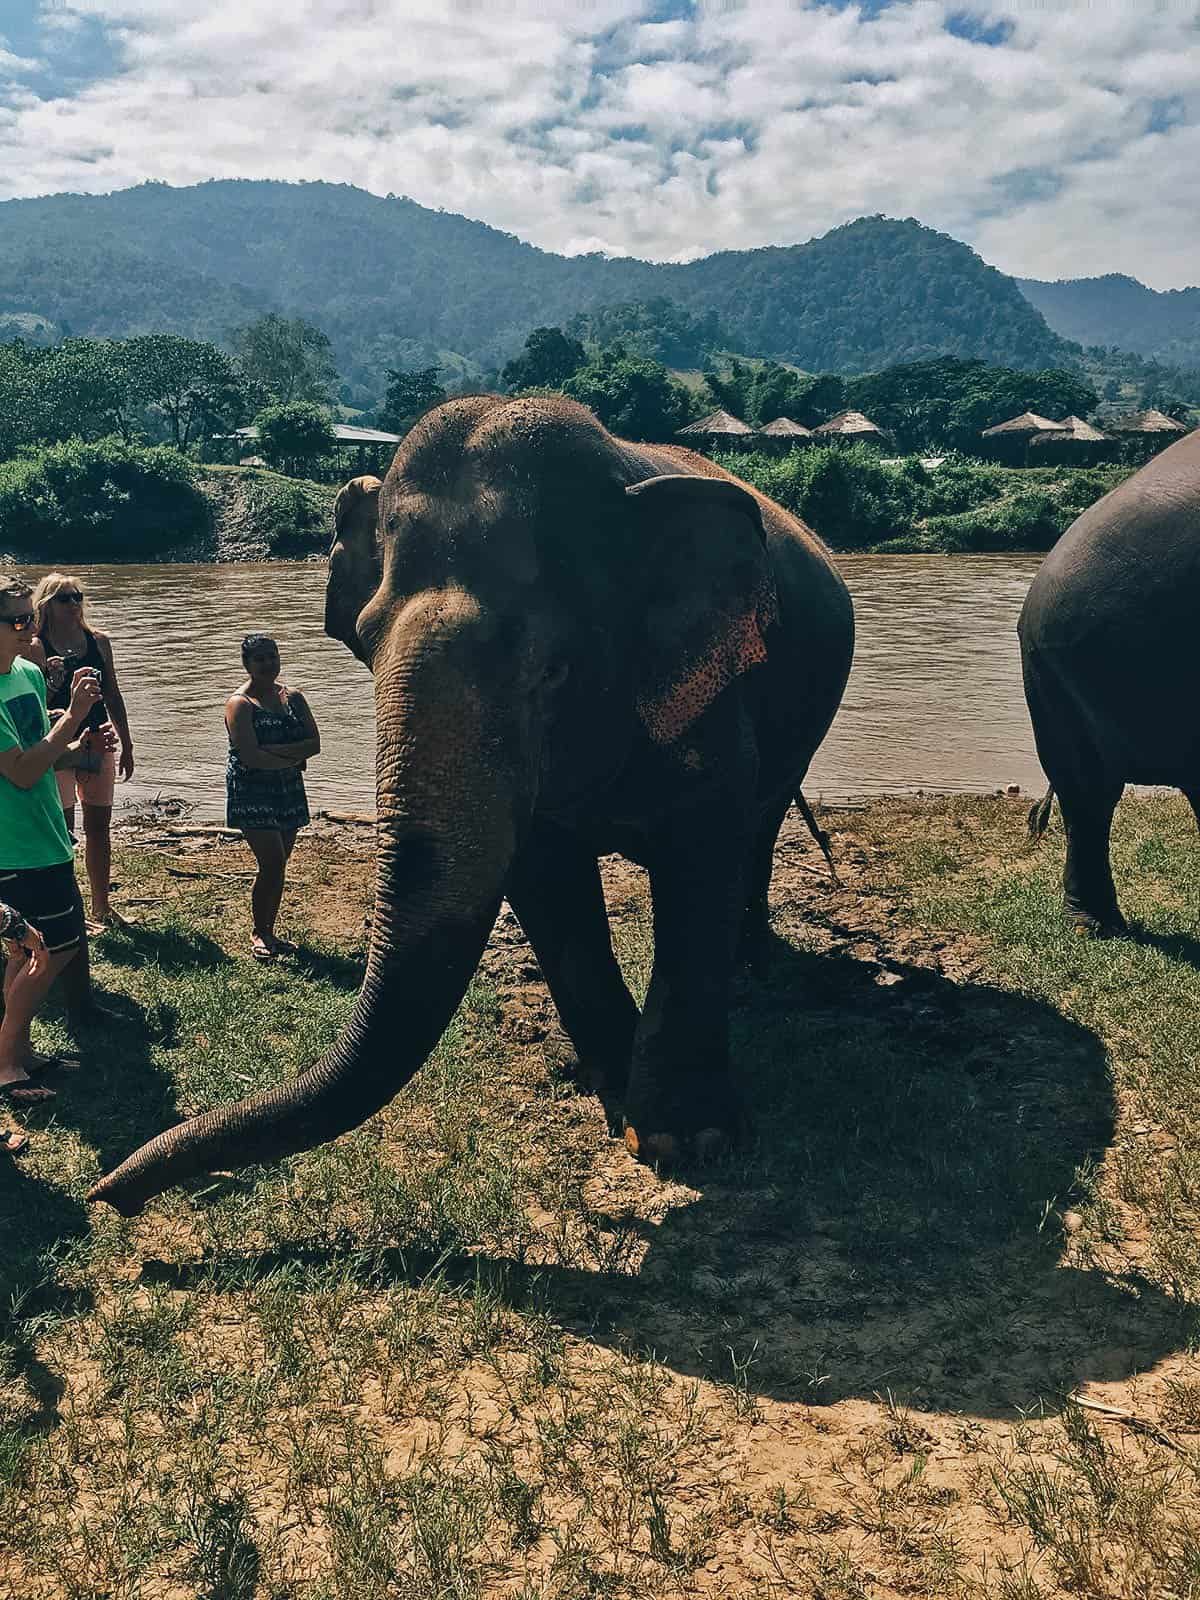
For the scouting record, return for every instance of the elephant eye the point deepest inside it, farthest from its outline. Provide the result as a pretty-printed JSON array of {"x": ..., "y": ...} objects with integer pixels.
[{"x": 556, "y": 673}]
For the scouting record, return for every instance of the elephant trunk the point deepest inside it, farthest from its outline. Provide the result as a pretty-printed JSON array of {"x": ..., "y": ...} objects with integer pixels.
[{"x": 442, "y": 861}]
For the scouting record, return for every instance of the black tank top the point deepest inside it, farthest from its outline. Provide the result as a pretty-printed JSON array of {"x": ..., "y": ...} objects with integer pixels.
[{"x": 59, "y": 699}]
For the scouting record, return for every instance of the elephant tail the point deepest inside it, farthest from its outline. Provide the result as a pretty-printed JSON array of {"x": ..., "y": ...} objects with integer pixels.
[
  {"x": 818, "y": 834},
  {"x": 1039, "y": 815}
]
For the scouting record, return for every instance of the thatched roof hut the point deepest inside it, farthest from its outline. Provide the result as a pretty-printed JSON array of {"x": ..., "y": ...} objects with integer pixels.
[
  {"x": 785, "y": 428},
  {"x": 1147, "y": 422},
  {"x": 1074, "y": 441},
  {"x": 851, "y": 425},
  {"x": 1024, "y": 427},
  {"x": 716, "y": 425}
]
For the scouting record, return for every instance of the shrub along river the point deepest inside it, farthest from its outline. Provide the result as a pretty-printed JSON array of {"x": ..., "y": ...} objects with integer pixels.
[{"x": 934, "y": 701}]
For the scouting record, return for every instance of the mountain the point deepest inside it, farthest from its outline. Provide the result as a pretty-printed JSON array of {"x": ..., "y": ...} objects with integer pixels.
[
  {"x": 394, "y": 283},
  {"x": 1163, "y": 324}
]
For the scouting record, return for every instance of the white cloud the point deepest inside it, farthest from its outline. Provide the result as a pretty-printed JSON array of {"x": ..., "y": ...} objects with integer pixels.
[{"x": 1066, "y": 145}]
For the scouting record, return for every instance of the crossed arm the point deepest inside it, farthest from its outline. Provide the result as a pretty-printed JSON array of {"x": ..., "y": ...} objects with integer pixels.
[{"x": 239, "y": 720}]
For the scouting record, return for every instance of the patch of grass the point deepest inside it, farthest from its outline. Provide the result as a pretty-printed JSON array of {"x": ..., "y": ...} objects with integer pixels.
[{"x": 472, "y": 1349}]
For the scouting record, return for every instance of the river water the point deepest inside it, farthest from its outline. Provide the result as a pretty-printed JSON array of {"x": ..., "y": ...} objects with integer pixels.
[{"x": 934, "y": 701}]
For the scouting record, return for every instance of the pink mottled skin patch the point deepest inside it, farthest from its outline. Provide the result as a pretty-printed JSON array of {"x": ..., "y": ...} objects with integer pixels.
[{"x": 740, "y": 647}]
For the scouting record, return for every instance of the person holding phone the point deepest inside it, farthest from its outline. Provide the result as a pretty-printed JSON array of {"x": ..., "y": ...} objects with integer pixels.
[
  {"x": 65, "y": 644},
  {"x": 37, "y": 873}
]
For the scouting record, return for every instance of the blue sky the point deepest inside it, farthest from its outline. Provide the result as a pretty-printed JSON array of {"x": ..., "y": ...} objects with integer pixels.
[{"x": 1058, "y": 139}]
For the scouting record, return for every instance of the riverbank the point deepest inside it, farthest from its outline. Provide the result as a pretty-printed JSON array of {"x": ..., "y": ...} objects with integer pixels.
[
  {"x": 111, "y": 501},
  {"x": 902, "y": 506},
  {"x": 473, "y": 1344}
]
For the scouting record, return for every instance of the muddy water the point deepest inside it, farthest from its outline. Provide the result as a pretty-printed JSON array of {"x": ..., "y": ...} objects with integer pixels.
[{"x": 934, "y": 701}]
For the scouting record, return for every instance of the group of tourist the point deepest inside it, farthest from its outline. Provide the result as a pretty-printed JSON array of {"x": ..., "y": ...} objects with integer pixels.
[{"x": 64, "y": 739}]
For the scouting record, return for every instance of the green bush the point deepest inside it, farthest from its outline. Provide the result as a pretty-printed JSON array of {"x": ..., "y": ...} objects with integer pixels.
[
  {"x": 99, "y": 500},
  {"x": 857, "y": 502}
]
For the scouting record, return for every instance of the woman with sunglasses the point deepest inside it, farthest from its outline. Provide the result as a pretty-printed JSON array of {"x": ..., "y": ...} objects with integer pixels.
[
  {"x": 64, "y": 644},
  {"x": 272, "y": 735}
]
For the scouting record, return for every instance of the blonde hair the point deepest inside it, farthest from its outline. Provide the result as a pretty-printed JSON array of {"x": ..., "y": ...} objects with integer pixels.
[{"x": 45, "y": 592}]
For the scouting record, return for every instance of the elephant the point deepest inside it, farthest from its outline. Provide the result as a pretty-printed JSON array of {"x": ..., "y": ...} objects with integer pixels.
[
  {"x": 1111, "y": 669},
  {"x": 580, "y": 646}
]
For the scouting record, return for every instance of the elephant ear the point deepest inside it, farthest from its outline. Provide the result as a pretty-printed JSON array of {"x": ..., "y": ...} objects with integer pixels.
[
  {"x": 709, "y": 596},
  {"x": 355, "y": 563}
]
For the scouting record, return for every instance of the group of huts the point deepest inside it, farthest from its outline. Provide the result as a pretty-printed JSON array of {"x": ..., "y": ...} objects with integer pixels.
[{"x": 1027, "y": 438}]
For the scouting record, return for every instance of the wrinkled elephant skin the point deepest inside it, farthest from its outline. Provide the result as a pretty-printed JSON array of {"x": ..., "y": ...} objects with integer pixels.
[
  {"x": 579, "y": 645},
  {"x": 1111, "y": 666}
]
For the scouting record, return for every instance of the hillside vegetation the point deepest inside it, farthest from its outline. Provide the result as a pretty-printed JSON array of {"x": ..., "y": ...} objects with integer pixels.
[
  {"x": 421, "y": 286},
  {"x": 1163, "y": 324}
]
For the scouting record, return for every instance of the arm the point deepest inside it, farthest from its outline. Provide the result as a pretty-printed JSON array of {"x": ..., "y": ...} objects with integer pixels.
[
  {"x": 115, "y": 704},
  {"x": 239, "y": 722},
  {"x": 311, "y": 743},
  {"x": 23, "y": 768}
]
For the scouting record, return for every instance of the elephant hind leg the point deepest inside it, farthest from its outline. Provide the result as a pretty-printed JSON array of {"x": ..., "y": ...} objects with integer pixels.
[{"x": 1089, "y": 892}]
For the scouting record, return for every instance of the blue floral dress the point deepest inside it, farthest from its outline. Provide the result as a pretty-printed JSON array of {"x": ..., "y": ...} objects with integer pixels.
[{"x": 258, "y": 798}]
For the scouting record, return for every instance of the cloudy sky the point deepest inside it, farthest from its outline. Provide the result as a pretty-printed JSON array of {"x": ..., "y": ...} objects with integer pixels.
[{"x": 1060, "y": 139}]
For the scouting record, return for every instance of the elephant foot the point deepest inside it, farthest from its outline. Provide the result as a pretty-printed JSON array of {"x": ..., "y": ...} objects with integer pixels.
[
  {"x": 1088, "y": 926},
  {"x": 671, "y": 1151}
]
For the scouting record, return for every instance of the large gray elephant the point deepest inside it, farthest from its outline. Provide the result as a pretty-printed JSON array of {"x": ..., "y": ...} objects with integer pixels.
[
  {"x": 579, "y": 646},
  {"x": 1112, "y": 666}
]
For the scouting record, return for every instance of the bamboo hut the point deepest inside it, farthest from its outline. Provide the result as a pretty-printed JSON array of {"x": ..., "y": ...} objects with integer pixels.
[
  {"x": 851, "y": 426},
  {"x": 1148, "y": 422},
  {"x": 1080, "y": 444},
  {"x": 717, "y": 428},
  {"x": 785, "y": 434},
  {"x": 1145, "y": 433},
  {"x": 1010, "y": 441}
]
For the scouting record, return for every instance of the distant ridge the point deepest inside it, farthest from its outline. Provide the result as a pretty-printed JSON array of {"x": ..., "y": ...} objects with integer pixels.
[
  {"x": 1159, "y": 324},
  {"x": 394, "y": 283}
]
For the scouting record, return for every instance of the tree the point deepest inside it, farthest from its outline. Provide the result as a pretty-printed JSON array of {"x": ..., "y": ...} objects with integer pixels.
[
  {"x": 84, "y": 390},
  {"x": 636, "y": 398},
  {"x": 761, "y": 392},
  {"x": 548, "y": 360},
  {"x": 294, "y": 436},
  {"x": 193, "y": 384},
  {"x": 288, "y": 357},
  {"x": 408, "y": 395}
]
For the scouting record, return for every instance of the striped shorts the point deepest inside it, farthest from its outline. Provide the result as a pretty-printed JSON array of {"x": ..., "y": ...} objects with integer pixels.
[{"x": 49, "y": 898}]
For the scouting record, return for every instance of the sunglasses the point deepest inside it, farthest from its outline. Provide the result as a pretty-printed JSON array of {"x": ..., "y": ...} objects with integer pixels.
[
  {"x": 20, "y": 619},
  {"x": 265, "y": 659},
  {"x": 69, "y": 597}
]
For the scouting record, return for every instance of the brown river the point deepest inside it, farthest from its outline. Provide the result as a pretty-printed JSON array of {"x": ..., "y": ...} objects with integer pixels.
[{"x": 934, "y": 701}]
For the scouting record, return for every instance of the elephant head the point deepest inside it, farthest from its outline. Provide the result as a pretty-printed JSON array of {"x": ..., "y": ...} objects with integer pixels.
[{"x": 535, "y": 601}]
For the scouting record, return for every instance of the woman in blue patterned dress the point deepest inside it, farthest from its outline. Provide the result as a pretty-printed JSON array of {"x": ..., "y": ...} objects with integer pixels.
[{"x": 272, "y": 736}]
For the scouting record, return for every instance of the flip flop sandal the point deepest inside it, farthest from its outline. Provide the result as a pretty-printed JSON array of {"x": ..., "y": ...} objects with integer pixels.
[
  {"x": 13, "y": 1142},
  {"x": 27, "y": 1093},
  {"x": 261, "y": 953},
  {"x": 285, "y": 947},
  {"x": 40, "y": 1063}
]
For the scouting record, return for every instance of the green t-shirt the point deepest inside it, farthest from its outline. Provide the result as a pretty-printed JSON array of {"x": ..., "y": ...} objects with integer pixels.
[{"x": 33, "y": 830}]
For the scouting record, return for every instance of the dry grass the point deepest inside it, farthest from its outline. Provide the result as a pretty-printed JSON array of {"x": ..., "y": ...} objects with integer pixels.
[{"x": 474, "y": 1350}]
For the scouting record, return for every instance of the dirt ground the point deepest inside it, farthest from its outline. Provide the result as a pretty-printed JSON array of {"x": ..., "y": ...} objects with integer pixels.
[{"x": 873, "y": 1346}]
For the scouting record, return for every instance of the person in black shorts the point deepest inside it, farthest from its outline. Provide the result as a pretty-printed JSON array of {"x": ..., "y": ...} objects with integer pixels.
[
  {"x": 37, "y": 874},
  {"x": 272, "y": 736}
]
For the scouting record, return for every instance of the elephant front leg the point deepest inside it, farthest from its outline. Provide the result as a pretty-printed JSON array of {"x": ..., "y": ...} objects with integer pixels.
[
  {"x": 555, "y": 890},
  {"x": 681, "y": 1092}
]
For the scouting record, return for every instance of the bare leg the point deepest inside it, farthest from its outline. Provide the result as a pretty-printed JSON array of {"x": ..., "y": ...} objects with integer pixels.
[
  {"x": 23, "y": 994},
  {"x": 270, "y": 855},
  {"x": 97, "y": 825}
]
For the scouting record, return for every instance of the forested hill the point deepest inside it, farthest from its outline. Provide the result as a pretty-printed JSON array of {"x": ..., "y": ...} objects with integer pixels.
[
  {"x": 1163, "y": 324},
  {"x": 394, "y": 283}
]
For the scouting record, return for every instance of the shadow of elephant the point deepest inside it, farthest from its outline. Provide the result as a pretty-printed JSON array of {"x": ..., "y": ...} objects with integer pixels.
[{"x": 896, "y": 1226}]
